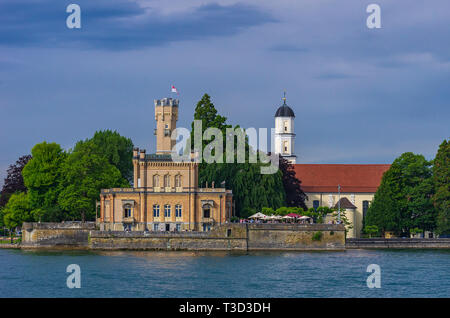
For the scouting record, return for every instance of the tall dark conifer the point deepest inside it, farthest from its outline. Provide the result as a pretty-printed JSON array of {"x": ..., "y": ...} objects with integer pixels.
[{"x": 441, "y": 181}]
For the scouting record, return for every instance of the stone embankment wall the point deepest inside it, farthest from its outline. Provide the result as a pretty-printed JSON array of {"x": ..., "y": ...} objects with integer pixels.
[
  {"x": 224, "y": 237},
  {"x": 228, "y": 237},
  {"x": 67, "y": 234},
  {"x": 295, "y": 236},
  {"x": 398, "y": 243}
]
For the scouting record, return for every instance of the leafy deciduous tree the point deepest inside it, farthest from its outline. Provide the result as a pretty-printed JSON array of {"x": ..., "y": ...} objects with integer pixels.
[
  {"x": 117, "y": 150},
  {"x": 41, "y": 176},
  {"x": 84, "y": 173},
  {"x": 17, "y": 210},
  {"x": 403, "y": 199}
]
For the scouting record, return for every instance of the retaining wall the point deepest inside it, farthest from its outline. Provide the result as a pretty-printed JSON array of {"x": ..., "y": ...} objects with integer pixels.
[
  {"x": 67, "y": 234},
  {"x": 395, "y": 243},
  {"x": 230, "y": 236}
]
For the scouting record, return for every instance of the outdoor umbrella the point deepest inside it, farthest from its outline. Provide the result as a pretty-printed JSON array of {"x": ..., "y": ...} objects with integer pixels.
[{"x": 258, "y": 215}]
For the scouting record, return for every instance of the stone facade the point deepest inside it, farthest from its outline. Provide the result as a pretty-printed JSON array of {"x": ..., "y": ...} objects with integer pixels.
[
  {"x": 166, "y": 195},
  {"x": 54, "y": 235}
]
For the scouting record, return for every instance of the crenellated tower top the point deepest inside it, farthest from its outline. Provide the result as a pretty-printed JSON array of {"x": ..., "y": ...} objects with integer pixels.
[{"x": 166, "y": 116}]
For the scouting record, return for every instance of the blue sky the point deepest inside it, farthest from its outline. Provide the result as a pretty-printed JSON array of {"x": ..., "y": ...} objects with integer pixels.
[{"x": 360, "y": 95}]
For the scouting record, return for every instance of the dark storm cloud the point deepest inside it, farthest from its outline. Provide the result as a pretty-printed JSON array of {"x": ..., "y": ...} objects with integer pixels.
[
  {"x": 118, "y": 24},
  {"x": 360, "y": 95}
]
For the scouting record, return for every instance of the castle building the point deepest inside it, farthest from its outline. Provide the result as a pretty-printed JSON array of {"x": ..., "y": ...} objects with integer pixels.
[
  {"x": 165, "y": 195},
  {"x": 348, "y": 186}
]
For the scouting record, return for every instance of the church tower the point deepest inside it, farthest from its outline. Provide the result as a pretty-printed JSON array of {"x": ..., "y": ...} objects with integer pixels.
[
  {"x": 284, "y": 132},
  {"x": 166, "y": 116}
]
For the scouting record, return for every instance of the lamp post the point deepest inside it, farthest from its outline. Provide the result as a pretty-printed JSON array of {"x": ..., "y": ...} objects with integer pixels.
[{"x": 339, "y": 203}]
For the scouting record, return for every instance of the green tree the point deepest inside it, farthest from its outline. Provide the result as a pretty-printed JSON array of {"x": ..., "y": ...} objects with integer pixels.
[
  {"x": 403, "y": 199},
  {"x": 17, "y": 211},
  {"x": 267, "y": 211},
  {"x": 251, "y": 190},
  {"x": 282, "y": 211},
  {"x": 116, "y": 149},
  {"x": 420, "y": 205},
  {"x": 441, "y": 180},
  {"x": 344, "y": 219},
  {"x": 416, "y": 230},
  {"x": 207, "y": 113},
  {"x": 1, "y": 217},
  {"x": 371, "y": 230},
  {"x": 84, "y": 174},
  {"x": 2, "y": 222},
  {"x": 42, "y": 175}
]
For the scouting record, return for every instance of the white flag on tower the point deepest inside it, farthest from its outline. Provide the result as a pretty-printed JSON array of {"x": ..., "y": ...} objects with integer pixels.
[{"x": 174, "y": 90}]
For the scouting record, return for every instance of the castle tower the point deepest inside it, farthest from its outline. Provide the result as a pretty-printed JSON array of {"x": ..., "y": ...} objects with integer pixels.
[
  {"x": 166, "y": 116},
  {"x": 284, "y": 132}
]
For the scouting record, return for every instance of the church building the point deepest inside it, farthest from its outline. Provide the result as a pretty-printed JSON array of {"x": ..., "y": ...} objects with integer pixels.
[
  {"x": 166, "y": 195},
  {"x": 348, "y": 186}
]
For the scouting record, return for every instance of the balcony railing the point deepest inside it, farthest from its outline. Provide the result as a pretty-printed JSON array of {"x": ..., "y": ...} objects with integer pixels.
[{"x": 128, "y": 219}]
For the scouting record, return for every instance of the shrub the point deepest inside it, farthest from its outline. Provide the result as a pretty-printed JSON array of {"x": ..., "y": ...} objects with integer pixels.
[
  {"x": 371, "y": 230},
  {"x": 317, "y": 236},
  {"x": 267, "y": 211}
]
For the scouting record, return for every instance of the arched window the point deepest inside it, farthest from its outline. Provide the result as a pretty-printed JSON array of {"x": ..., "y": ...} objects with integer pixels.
[
  {"x": 156, "y": 180},
  {"x": 166, "y": 181},
  {"x": 156, "y": 210},
  {"x": 127, "y": 210},
  {"x": 178, "y": 210},
  {"x": 178, "y": 181},
  {"x": 167, "y": 211}
]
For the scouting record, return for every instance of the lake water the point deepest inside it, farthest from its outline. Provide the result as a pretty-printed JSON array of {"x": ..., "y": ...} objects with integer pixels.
[{"x": 404, "y": 273}]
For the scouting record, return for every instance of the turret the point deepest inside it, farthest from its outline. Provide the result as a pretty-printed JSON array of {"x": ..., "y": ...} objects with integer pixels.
[
  {"x": 166, "y": 116},
  {"x": 284, "y": 132}
]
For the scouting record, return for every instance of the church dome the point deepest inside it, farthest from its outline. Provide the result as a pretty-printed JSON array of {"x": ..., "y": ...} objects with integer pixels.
[{"x": 284, "y": 111}]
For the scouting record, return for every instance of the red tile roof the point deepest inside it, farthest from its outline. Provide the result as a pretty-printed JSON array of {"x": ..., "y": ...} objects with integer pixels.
[{"x": 353, "y": 178}]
